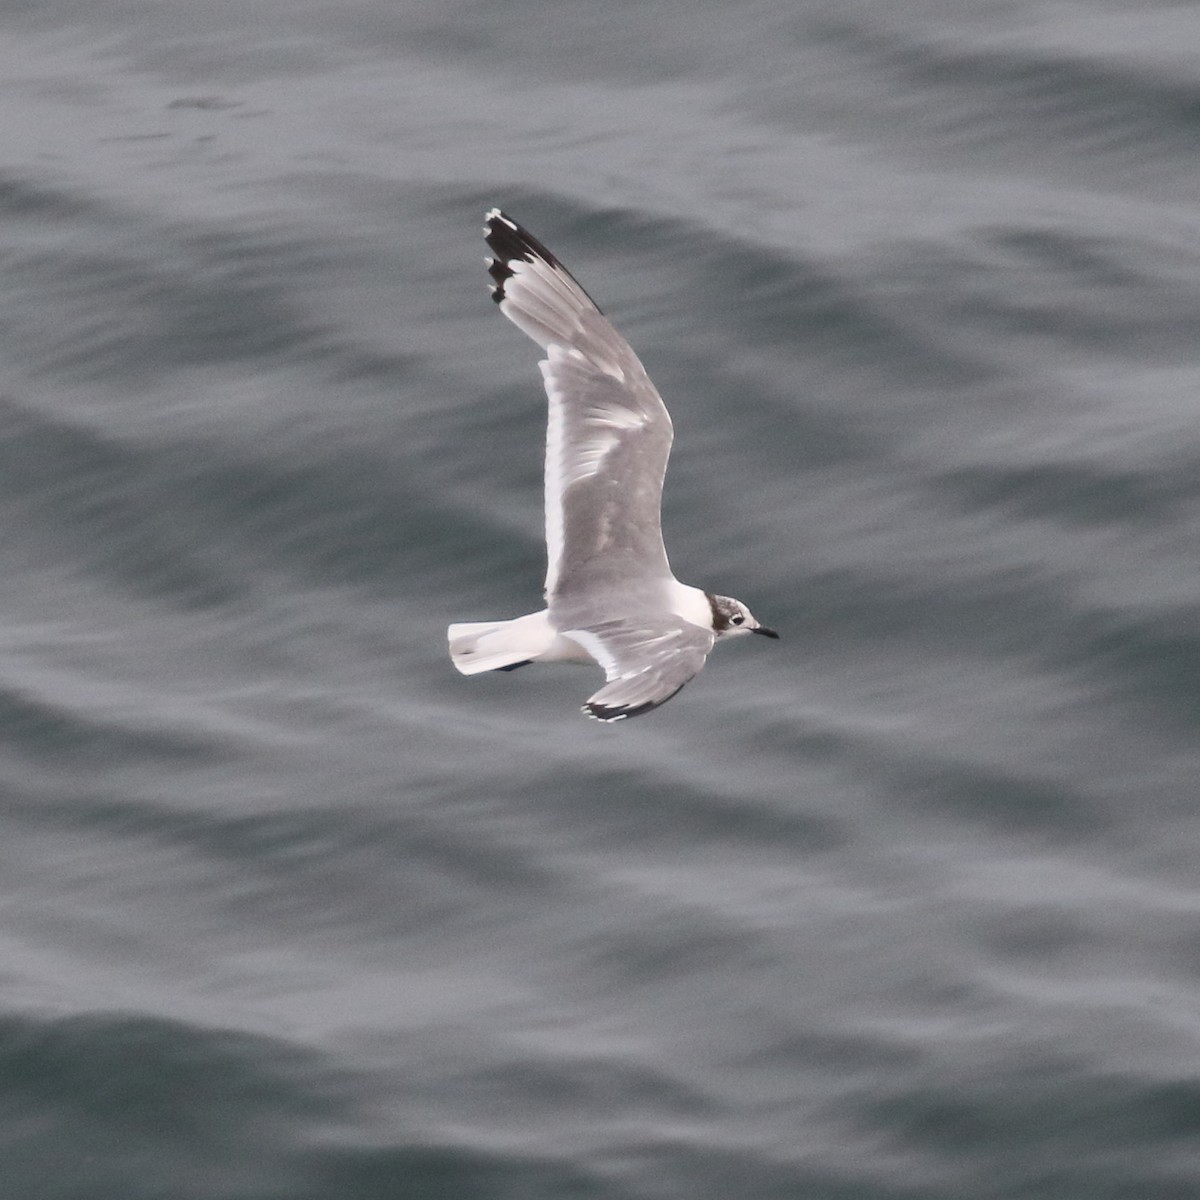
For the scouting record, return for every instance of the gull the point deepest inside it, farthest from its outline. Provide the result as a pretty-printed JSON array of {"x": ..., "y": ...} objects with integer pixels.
[{"x": 611, "y": 597}]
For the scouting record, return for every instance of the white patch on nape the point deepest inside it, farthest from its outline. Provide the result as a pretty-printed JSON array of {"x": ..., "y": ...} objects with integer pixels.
[{"x": 597, "y": 649}]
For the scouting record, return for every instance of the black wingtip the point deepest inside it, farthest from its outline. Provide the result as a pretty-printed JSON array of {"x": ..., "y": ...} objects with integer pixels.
[
  {"x": 602, "y": 712},
  {"x": 510, "y": 242},
  {"x": 618, "y": 712},
  {"x": 500, "y": 272}
]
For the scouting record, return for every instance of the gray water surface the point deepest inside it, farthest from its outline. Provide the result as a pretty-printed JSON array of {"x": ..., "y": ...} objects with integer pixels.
[{"x": 902, "y": 907}]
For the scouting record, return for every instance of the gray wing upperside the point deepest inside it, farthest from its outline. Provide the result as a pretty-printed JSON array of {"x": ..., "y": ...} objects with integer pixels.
[
  {"x": 608, "y": 435},
  {"x": 645, "y": 660},
  {"x": 606, "y": 457}
]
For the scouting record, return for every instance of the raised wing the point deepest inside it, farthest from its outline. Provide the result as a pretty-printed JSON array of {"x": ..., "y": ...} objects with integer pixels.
[
  {"x": 609, "y": 433},
  {"x": 646, "y": 661}
]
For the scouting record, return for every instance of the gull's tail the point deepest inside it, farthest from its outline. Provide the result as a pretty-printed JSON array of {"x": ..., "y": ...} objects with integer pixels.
[{"x": 499, "y": 645}]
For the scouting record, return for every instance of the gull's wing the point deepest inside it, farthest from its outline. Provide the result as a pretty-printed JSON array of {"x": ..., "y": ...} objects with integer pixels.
[
  {"x": 609, "y": 434},
  {"x": 646, "y": 661}
]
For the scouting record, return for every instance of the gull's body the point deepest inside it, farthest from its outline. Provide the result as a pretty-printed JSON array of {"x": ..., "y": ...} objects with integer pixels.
[{"x": 610, "y": 595}]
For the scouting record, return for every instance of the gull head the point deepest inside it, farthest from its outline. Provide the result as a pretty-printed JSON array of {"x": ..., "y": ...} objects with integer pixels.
[{"x": 731, "y": 617}]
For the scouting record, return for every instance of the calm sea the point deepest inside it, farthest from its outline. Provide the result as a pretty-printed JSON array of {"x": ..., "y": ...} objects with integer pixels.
[{"x": 905, "y": 906}]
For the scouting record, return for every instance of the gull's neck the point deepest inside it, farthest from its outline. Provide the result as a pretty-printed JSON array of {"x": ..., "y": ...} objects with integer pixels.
[{"x": 692, "y": 604}]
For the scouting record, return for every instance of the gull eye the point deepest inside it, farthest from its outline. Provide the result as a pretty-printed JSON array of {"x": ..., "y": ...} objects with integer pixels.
[{"x": 736, "y": 620}]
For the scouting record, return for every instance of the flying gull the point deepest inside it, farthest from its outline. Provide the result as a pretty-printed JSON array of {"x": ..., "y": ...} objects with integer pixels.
[{"x": 611, "y": 598}]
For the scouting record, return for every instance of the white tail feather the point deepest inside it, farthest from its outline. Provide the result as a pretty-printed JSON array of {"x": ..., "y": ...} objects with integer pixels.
[{"x": 491, "y": 645}]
